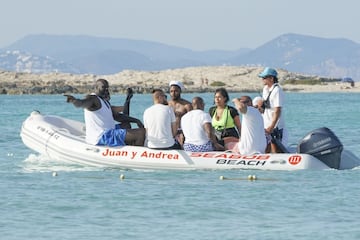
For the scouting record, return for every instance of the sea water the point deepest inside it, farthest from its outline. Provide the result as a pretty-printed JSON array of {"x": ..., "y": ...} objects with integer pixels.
[{"x": 83, "y": 202}]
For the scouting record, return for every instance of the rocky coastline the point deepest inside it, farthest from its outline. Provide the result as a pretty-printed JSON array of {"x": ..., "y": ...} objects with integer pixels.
[{"x": 195, "y": 79}]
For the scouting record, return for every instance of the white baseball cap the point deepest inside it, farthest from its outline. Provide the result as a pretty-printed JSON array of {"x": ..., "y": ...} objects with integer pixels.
[
  {"x": 177, "y": 83},
  {"x": 256, "y": 101}
]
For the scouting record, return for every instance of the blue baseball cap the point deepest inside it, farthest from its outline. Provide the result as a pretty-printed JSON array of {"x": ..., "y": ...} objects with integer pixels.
[{"x": 268, "y": 72}]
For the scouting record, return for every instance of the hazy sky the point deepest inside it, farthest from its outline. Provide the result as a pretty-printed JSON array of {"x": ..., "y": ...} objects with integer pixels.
[{"x": 194, "y": 24}]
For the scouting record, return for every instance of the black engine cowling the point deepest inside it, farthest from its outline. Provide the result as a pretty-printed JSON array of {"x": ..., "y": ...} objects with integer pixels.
[{"x": 323, "y": 144}]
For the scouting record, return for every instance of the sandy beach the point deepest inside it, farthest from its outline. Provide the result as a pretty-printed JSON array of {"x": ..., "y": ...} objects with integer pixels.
[{"x": 195, "y": 79}]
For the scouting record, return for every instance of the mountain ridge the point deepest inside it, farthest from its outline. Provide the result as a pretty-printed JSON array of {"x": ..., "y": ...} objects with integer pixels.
[{"x": 98, "y": 55}]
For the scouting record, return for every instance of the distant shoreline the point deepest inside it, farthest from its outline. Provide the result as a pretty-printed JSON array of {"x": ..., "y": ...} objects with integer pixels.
[{"x": 195, "y": 79}]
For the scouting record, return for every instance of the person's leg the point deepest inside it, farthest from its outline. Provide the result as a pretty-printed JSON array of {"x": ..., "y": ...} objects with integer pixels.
[
  {"x": 274, "y": 148},
  {"x": 176, "y": 146},
  {"x": 126, "y": 111},
  {"x": 278, "y": 141},
  {"x": 129, "y": 95},
  {"x": 135, "y": 137},
  {"x": 229, "y": 142},
  {"x": 180, "y": 138},
  {"x": 113, "y": 137},
  {"x": 125, "y": 125}
]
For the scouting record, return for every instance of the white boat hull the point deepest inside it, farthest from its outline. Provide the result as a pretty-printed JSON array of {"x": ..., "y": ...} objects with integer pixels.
[{"x": 64, "y": 140}]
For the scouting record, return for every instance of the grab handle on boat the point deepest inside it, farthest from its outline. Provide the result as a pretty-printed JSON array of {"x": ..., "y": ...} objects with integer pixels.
[
  {"x": 92, "y": 149},
  {"x": 64, "y": 130}
]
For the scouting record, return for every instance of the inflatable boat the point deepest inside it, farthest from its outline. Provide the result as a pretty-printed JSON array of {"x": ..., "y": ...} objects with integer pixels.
[{"x": 63, "y": 139}]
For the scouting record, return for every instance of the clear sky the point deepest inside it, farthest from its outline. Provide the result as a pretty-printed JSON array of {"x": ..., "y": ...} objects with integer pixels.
[{"x": 194, "y": 24}]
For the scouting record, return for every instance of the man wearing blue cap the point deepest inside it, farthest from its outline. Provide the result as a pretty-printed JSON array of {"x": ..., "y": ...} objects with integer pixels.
[{"x": 273, "y": 103}]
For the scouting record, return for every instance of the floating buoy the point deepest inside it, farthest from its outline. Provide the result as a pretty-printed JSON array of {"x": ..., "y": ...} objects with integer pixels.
[
  {"x": 54, "y": 174},
  {"x": 252, "y": 177},
  {"x": 122, "y": 176},
  {"x": 249, "y": 178}
]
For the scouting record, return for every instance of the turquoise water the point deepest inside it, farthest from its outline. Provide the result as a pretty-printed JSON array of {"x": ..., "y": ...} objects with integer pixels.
[{"x": 90, "y": 203}]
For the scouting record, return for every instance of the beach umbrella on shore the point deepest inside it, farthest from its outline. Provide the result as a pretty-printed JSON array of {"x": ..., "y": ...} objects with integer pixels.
[{"x": 348, "y": 80}]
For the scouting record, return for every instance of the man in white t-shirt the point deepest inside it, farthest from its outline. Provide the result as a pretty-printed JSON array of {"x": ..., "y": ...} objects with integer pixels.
[
  {"x": 273, "y": 104},
  {"x": 197, "y": 129},
  {"x": 253, "y": 138},
  {"x": 160, "y": 123}
]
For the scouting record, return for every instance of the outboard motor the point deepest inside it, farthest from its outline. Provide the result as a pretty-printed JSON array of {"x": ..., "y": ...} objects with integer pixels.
[{"x": 323, "y": 144}]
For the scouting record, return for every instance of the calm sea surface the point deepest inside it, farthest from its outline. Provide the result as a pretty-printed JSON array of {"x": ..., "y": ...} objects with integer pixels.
[{"x": 91, "y": 203}]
